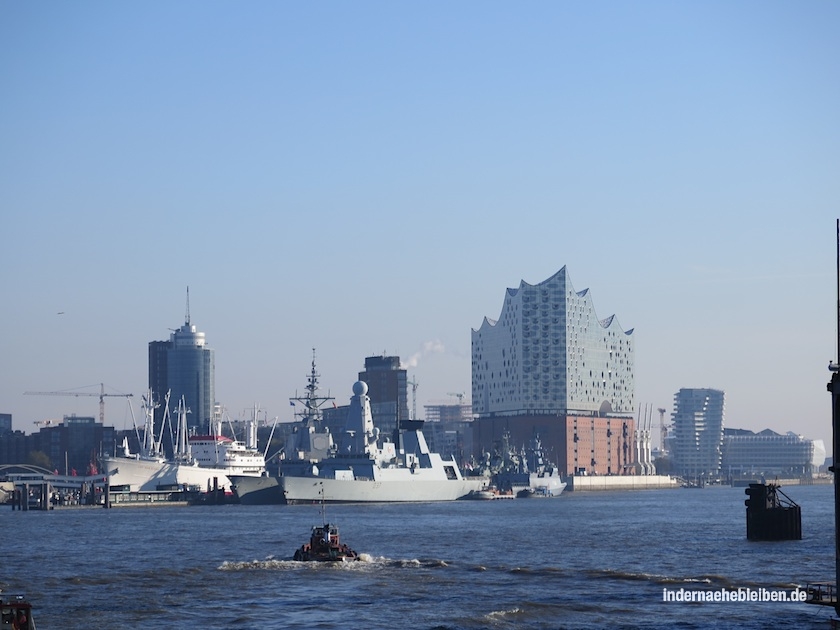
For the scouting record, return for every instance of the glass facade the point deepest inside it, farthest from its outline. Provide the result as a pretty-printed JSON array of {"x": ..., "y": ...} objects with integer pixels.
[
  {"x": 770, "y": 454},
  {"x": 549, "y": 353},
  {"x": 697, "y": 432},
  {"x": 186, "y": 367},
  {"x": 5, "y": 423}
]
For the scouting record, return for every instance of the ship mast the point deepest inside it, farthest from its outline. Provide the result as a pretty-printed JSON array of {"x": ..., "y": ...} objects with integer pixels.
[{"x": 311, "y": 401}]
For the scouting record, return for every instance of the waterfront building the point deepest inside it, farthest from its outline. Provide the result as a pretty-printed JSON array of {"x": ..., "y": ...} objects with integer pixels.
[
  {"x": 5, "y": 423},
  {"x": 697, "y": 432},
  {"x": 770, "y": 454},
  {"x": 185, "y": 366},
  {"x": 388, "y": 391},
  {"x": 550, "y": 366},
  {"x": 16, "y": 447},
  {"x": 75, "y": 445},
  {"x": 71, "y": 447}
]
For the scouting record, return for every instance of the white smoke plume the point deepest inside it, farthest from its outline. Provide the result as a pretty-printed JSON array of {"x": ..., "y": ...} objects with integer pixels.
[{"x": 429, "y": 347}]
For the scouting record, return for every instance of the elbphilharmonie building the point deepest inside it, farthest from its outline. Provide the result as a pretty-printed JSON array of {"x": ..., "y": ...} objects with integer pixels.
[
  {"x": 549, "y": 352},
  {"x": 549, "y": 365}
]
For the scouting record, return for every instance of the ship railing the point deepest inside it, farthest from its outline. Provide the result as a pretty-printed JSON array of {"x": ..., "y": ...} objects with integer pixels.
[{"x": 821, "y": 593}]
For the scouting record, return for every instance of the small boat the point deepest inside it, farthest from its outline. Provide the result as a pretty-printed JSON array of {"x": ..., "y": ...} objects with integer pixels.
[
  {"x": 480, "y": 495},
  {"x": 16, "y": 613},
  {"x": 325, "y": 543},
  {"x": 325, "y": 546},
  {"x": 488, "y": 494},
  {"x": 543, "y": 492}
]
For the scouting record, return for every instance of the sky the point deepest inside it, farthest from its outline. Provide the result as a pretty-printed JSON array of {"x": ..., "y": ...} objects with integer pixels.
[{"x": 370, "y": 177}]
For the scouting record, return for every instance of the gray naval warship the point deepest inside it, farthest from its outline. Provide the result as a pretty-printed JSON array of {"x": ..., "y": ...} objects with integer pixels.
[
  {"x": 525, "y": 473},
  {"x": 308, "y": 443},
  {"x": 401, "y": 469}
]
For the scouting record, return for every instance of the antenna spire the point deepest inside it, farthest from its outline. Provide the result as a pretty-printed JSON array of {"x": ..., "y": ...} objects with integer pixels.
[{"x": 187, "y": 317}]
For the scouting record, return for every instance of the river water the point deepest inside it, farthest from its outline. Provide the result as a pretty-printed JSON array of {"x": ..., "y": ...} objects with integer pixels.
[{"x": 583, "y": 560}]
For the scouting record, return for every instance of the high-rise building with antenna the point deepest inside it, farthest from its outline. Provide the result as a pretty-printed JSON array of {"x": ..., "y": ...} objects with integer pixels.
[{"x": 184, "y": 366}]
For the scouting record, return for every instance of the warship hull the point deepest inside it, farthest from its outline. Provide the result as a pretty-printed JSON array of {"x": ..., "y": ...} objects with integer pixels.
[
  {"x": 401, "y": 486},
  {"x": 257, "y": 490}
]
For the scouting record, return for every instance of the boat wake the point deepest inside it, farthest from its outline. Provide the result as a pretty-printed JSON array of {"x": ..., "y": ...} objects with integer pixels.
[
  {"x": 286, "y": 564},
  {"x": 364, "y": 561},
  {"x": 257, "y": 565},
  {"x": 717, "y": 581},
  {"x": 504, "y": 614},
  {"x": 430, "y": 563}
]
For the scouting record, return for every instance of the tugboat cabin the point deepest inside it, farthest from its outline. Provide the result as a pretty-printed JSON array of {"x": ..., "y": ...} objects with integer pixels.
[
  {"x": 16, "y": 613},
  {"x": 325, "y": 546}
]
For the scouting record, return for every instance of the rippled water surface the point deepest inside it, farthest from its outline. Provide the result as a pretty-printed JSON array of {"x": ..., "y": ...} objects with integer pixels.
[{"x": 578, "y": 561}]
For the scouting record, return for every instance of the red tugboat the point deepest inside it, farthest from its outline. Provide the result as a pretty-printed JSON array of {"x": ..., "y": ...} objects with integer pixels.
[
  {"x": 325, "y": 546},
  {"x": 16, "y": 613}
]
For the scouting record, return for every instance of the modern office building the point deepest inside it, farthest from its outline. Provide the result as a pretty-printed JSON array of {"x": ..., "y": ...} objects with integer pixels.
[
  {"x": 5, "y": 423},
  {"x": 449, "y": 430},
  {"x": 72, "y": 446},
  {"x": 184, "y": 366},
  {"x": 451, "y": 439},
  {"x": 770, "y": 454},
  {"x": 550, "y": 366},
  {"x": 461, "y": 412},
  {"x": 388, "y": 391},
  {"x": 75, "y": 446},
  {"x": 16, "y": 447},
  {"x": 697, "y": 432}
]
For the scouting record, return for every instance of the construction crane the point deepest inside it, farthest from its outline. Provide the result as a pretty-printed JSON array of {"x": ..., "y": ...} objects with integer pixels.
[
  {"x": 101, "y": 395},
  {"x": 414, "y": 385},
  {"x": 459, "y": 396}
]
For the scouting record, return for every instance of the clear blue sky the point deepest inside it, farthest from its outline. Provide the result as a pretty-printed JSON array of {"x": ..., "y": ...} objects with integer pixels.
[{"x": 364, "y": 177}]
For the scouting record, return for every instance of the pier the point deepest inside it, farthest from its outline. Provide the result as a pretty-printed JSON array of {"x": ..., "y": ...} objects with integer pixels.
[
  {"x": 35, "y": 492},
  {"x": 31, "y": 491}
]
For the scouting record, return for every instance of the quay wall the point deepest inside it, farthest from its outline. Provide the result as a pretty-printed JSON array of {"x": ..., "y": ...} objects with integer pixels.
[
  {"x": 807, "y": 481},
  {"x": 596, "y": 483}
]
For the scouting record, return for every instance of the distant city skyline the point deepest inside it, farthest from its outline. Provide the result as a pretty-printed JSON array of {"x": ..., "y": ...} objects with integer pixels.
[{"x": 366, "y": 179}]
